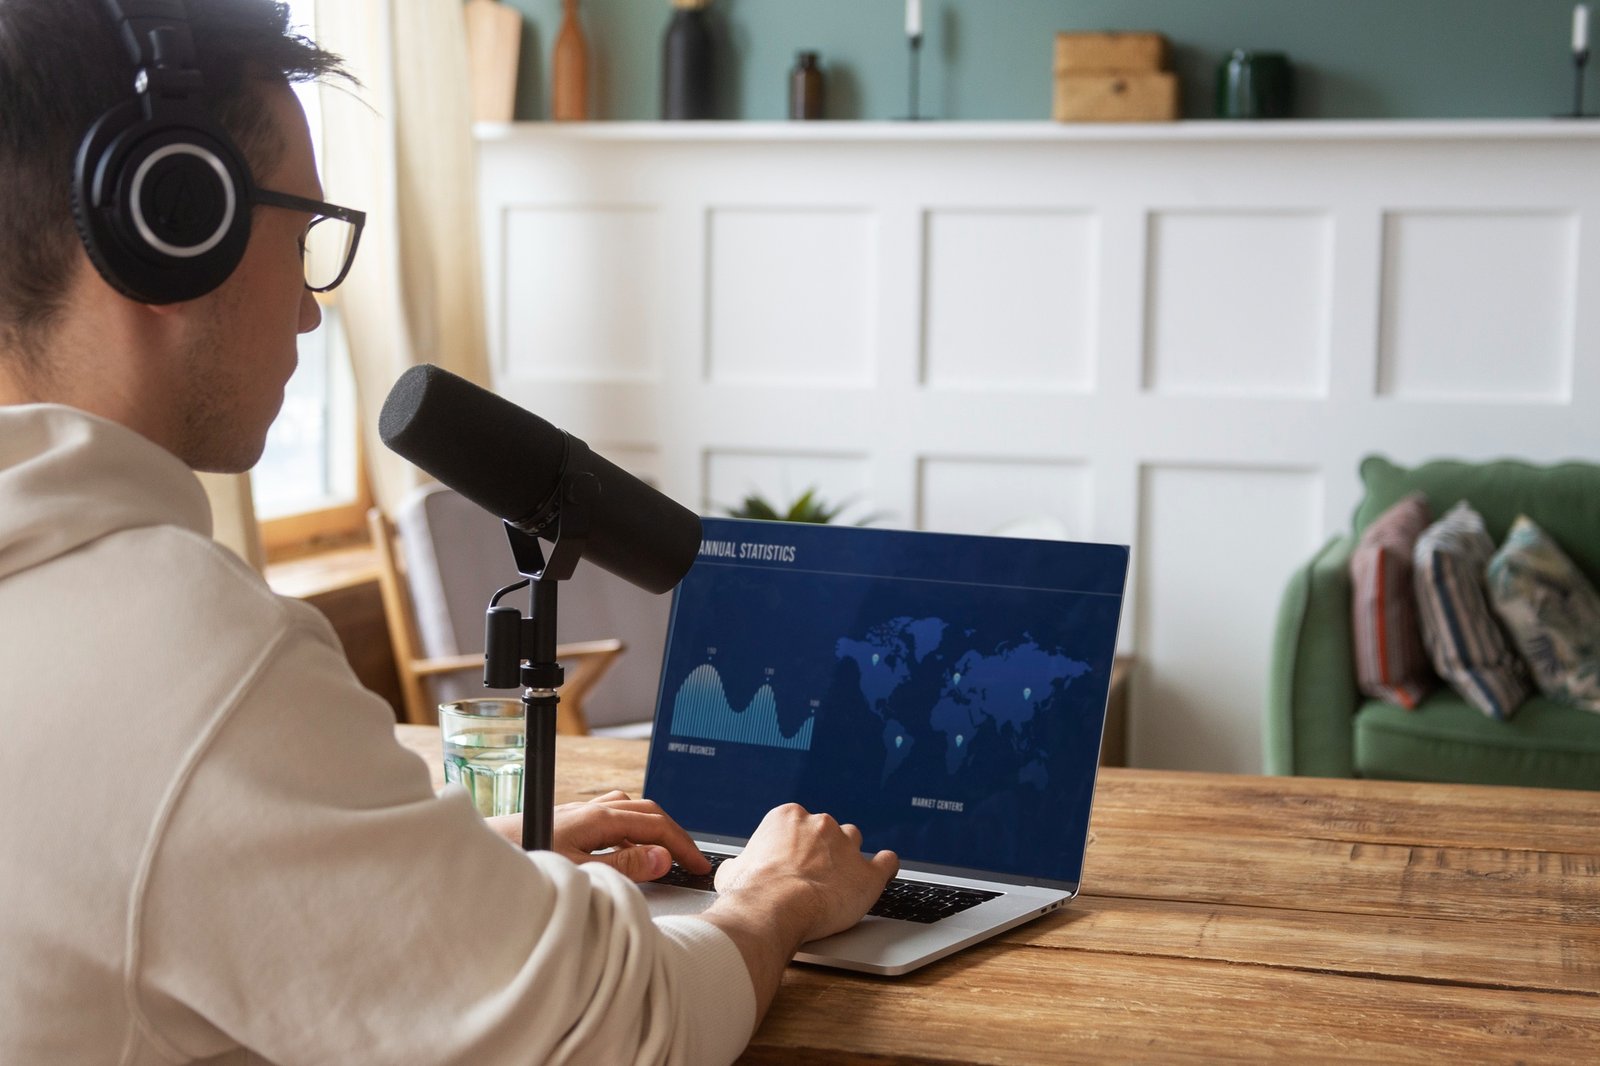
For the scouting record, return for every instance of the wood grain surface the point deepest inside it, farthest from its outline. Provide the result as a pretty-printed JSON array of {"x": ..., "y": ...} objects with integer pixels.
[{"x": 1234, "y": 918}]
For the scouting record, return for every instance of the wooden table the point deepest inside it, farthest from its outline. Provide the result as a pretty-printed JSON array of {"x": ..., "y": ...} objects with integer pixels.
[{"x": 1234, "y": 918}]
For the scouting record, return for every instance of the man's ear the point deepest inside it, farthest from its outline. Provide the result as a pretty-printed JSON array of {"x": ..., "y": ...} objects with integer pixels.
[
  {"x": 87, "y": 278},
  {"x": 135, "y": 324}
]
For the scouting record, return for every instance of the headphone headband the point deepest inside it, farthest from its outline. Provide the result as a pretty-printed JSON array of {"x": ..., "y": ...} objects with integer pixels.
[{"x": 161, "y": 45}]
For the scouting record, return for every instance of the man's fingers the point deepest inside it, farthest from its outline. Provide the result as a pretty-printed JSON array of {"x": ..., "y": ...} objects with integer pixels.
[
  {"x": 621, "y": 802},
  {"x": 852, "y": 833},
  {"x": 607, "y": 826},
  {"x": 642, "y": 862},
  {"x": 887, "y": 863}
]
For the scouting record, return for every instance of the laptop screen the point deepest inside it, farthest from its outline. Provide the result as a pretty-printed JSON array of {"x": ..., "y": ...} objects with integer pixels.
[{"x": 945, "y": 693}]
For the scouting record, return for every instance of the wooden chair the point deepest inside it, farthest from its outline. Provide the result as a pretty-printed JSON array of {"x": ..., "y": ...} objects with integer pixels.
[{"x": 585, "y": 662}]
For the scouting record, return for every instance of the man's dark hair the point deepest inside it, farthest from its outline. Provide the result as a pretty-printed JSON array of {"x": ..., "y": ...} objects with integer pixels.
[{"x": 62, "y": 65}]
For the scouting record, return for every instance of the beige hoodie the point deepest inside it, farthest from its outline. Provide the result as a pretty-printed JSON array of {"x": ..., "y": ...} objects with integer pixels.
[{"x": 211, "y": 847}]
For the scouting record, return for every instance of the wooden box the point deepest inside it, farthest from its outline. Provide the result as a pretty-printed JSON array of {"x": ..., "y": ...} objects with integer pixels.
[
  {"x": 1151, "y": 97},
  {"x": 1122, "y": 53}
]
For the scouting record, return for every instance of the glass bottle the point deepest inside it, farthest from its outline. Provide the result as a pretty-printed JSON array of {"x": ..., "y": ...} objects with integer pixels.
[
  {"x": 686, "y": 63},
  {"x": 805, "y": 87},
  {"x": 569, "y": 90}
]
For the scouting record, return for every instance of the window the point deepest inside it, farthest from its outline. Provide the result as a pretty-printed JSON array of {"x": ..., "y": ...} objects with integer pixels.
[
  {"x": 309, "y": 487},
  {"x": 310, "y": 463}
]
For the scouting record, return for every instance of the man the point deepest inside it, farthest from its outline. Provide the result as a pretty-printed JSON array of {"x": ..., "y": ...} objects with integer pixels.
[{"x": 213, "y": 849}]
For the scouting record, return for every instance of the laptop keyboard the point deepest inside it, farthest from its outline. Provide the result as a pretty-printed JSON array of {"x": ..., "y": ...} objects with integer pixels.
[{"x": 910, "y": 901}]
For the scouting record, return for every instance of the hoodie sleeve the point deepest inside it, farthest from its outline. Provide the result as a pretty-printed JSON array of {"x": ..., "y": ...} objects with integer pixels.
[{"x": 306, "y": 895}]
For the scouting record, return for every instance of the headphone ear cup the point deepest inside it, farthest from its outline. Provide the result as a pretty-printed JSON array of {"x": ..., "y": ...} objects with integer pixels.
[
  {"x": 162, "y": 206},
  {"x": 93, "y": 223}
]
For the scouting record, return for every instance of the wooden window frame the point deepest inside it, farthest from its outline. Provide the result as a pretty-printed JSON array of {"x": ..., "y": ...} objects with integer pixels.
[{"x": 339, "y": 526}]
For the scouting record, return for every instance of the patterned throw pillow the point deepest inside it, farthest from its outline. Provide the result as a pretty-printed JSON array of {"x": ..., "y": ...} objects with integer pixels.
[
  {"x": 1463, "y": 637},
  {"x": 1552, "y": 612},
  {"x": 1391, "y": 664}
]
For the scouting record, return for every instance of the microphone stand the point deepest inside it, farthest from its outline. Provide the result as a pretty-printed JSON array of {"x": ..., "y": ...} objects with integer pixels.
[{"x": 522, "y": 651}]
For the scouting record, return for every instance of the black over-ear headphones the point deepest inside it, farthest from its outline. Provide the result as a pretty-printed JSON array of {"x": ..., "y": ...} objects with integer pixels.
[{"x": 161, "y": 195}]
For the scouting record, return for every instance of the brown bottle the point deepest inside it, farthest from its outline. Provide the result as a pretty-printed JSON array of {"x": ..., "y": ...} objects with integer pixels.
[
  {"x": 569, "y": 91},
  {"x": 805, "y": 88}
]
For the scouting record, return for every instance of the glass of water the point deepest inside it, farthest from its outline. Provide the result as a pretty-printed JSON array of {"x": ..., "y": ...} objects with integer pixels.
[{"x": 483, "y": 751}]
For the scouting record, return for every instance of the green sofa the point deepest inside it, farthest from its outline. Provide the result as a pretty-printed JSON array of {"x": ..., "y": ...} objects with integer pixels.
[{"x": 1318, "y": 723}]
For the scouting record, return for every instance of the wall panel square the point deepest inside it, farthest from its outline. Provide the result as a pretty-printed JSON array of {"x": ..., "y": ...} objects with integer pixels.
[
  {"x": 1478, "y": 305},
  {"x": 1238, "y": 303},
  {"x": 579, "y": 299},
  {"x": 1010, "y": 299},
  {"x": 1215, "y": 548},
  {"x": 792, "y": 296}
]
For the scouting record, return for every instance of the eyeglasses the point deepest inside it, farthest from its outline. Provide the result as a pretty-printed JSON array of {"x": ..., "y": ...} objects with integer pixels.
[{"x": 329, "y": 245}]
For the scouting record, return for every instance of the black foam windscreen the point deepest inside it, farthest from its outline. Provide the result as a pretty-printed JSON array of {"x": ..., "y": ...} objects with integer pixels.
[{"x": 512, "y": 463}]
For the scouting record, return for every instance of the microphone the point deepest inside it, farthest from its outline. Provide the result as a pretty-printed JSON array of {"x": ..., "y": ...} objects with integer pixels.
[{"x": 513, "y": 463}]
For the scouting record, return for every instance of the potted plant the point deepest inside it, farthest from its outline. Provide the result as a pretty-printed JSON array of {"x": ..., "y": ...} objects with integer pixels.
[{"x": 807, "y": 507}]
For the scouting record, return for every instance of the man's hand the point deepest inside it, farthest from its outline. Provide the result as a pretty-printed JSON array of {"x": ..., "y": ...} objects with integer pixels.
[
  {"x": 644, "y": 841},
  {"x": 816, "y": 864},
  {"x": 802, "y": 876}
]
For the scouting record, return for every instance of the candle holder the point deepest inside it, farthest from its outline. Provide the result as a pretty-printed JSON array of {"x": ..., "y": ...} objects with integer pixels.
[
  {"x": 914, "y": 42},
  {"x": 1580, "y": 59}
]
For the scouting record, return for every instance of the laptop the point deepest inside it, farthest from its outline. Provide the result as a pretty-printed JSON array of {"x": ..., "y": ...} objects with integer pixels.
[{"x": 945, "y": 693}]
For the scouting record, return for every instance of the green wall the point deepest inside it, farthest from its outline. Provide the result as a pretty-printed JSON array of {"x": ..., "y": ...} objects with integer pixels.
[{"x": 991, "y": 59}]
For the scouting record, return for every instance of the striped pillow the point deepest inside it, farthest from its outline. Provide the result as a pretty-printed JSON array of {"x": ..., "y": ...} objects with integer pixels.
[
  {"x": 1391, "y": 663},
  {"x": 1463, "y": 637},
  {"x": 1552, "y": 612}
]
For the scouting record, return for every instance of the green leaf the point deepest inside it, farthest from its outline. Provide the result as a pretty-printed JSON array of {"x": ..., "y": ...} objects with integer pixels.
[{"x": 755, "y": 507}]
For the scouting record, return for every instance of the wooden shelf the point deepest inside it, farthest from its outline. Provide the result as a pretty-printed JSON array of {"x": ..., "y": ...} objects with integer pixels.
[{"x": 1191, "y": 130}]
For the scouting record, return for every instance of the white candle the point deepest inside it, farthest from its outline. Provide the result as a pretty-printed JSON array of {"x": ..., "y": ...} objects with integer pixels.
[
  {"x": 1580, "y": 28},
  {"x": 914, "y": 18}
]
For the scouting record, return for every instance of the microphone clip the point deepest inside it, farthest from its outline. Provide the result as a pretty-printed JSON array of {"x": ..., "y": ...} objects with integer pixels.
[{"x": 568, "y": 532}]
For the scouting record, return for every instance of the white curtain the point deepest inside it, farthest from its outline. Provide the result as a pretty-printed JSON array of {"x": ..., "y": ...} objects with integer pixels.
[{"x": 402, "y": 150}]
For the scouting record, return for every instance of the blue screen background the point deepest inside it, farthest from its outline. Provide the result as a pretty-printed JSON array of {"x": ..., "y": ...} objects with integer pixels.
[{"x": 945, "y": 693}]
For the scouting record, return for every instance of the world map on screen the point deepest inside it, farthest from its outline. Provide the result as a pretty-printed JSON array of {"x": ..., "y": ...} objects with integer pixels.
[{"x": 965, "y": 684}]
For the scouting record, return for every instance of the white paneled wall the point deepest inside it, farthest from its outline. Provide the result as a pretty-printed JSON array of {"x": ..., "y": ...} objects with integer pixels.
[
  {"x": 1454, "y": 316},
  {"x": 1010, "y": 299},
  {"x": 792, "y": 297},
  {"x": 1181, "y": 337},
  {"x": 1238, "y": 304},
  {"x": 1214, "y": 542}
]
